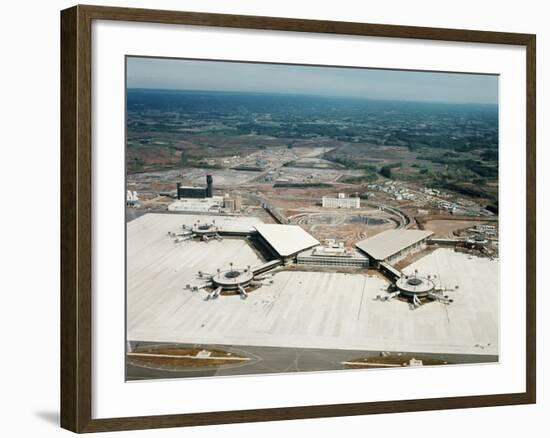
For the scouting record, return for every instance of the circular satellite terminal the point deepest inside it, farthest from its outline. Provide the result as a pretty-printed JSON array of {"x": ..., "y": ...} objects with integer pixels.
[
  {"x": 415, "y": 281},
  {"x": 205, "y": 229},
  {"x": 411, "y": 286},
  {"x": 232, "y": 274},
  {"x": 233, "y": 278}
]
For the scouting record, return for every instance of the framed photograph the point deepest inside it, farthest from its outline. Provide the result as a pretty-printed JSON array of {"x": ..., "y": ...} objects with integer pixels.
[{"x": 269, "y": 218}]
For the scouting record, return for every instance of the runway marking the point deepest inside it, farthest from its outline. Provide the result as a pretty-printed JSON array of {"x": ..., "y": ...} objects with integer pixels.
[{"x": 361, "y": 302}]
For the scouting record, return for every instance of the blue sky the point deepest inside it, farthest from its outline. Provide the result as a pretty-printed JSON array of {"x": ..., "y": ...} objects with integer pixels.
[{"x": 182, "y": 74}]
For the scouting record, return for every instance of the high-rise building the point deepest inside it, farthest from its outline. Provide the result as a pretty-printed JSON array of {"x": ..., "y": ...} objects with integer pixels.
[{"x": 209, "y": 186}]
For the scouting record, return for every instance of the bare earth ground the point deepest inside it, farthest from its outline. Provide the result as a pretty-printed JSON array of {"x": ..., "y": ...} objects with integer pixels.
[
  {"x": 395, "y": 360},
  {"x": 445, "y": 228},
  {"x": 175, "y": 357}
]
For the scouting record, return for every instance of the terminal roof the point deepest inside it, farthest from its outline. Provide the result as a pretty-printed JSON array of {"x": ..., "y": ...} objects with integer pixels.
[
  {"x": 287, "y": 240},
  {"x": 391, "y": 242}
]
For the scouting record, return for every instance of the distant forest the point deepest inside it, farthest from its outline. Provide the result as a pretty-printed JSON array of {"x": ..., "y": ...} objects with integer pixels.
[{"x": 452, "y": 146}]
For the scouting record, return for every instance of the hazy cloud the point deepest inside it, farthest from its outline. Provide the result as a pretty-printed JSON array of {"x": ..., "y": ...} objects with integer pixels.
[{"x": 325, "y": 81}]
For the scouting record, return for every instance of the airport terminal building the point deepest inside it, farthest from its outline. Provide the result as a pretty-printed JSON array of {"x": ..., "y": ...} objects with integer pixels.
[
  {"x": 391, "y": 246},
  {"x": 287, "y": 241}
]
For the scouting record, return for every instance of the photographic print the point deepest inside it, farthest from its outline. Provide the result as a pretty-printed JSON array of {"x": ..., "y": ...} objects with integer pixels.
[{"x": 295, "y": 218}]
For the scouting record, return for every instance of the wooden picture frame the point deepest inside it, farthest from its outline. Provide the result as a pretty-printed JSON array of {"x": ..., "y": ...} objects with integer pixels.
[{"x": 76, "y": 217}]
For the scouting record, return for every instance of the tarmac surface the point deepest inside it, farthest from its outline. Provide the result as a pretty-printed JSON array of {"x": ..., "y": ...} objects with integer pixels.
[
  {"x": 299, "y": 309},
  {"x": 272, "y": 360}
]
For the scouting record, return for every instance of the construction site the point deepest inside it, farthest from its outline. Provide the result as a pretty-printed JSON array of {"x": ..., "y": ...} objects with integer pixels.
[{"x": 245, "y": 288}]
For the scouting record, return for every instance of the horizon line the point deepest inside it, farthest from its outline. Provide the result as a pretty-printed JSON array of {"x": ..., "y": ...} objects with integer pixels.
[{"x": 328, "y": 96}]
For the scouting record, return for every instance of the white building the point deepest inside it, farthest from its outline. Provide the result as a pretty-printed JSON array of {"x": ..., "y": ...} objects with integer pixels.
[
  {"x": 342, "y": 201},
  {"x": 132, "y": 199}
]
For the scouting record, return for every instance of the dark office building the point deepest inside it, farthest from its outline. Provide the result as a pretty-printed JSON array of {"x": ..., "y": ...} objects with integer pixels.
[
  {"x": 209, "y": 186},
  {"x": 196, "y": 192}
]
